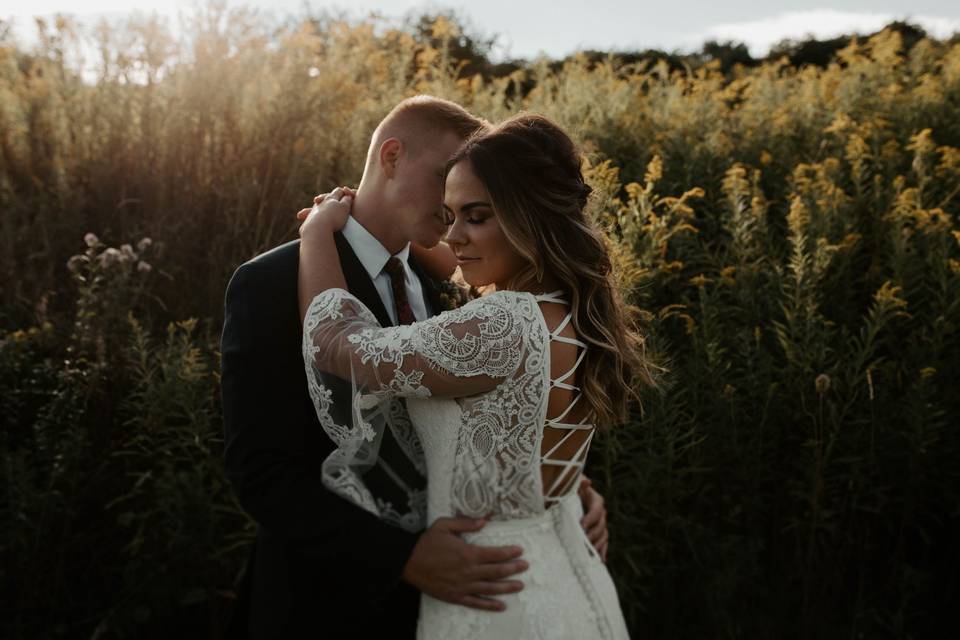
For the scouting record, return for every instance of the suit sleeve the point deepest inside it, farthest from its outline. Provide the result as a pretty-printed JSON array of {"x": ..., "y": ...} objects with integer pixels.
[{"x": 275, "y": 476}]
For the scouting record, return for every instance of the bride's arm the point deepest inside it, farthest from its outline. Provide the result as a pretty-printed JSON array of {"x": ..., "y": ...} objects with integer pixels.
[
  {"x": 458, "y": 353},
  {"x": 319, "y": 261}
]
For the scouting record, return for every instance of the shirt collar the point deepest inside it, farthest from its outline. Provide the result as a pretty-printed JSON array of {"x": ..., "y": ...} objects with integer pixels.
[{"x": 371, "y": 253}]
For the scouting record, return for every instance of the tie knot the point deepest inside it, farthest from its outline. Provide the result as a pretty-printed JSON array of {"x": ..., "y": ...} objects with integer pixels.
[{"x": 394, "y": 268}]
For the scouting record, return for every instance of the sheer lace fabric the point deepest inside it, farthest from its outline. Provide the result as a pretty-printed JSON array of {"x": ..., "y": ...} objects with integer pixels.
[
  {"x": 476, "y": 383},
  {"x": 489, "y": 353}
]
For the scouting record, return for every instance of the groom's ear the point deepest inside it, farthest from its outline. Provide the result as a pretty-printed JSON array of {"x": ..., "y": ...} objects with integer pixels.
[{"x": 390, "y": 152}]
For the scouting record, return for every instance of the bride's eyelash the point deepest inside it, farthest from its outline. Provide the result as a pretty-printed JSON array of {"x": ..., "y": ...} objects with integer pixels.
[{"x": 449, "y": 220}]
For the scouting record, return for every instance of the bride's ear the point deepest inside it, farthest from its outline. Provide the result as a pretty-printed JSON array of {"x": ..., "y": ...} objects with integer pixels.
[{"x": 390, "y": 152}]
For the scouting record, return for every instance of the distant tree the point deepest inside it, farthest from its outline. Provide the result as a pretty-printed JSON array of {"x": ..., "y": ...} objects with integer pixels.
[
  {"x": 465, "y": 44},
  {"x": 728, "y": 54},
  {"x": 821, "y": 52},
  {"x": 675, "y": 61}
]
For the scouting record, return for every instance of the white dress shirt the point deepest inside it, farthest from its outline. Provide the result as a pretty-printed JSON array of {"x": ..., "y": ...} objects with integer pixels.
[{"x": 373, "y": 256}]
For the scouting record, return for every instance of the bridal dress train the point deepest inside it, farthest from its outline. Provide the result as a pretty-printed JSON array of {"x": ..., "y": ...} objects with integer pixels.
[{"x": 463, "y": 397}]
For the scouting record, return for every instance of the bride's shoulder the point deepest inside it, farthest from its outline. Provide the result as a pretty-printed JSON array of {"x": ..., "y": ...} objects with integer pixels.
[
  {"x": 505, "y": 299},
  {"x": 497, "y": 305}
]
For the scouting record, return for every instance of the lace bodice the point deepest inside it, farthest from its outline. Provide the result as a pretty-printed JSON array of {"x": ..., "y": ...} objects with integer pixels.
[{"x": 492, "y": 356}]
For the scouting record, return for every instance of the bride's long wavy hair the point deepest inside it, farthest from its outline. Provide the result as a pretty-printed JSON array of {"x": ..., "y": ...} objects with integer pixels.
[{"x": 531, "y": 169}]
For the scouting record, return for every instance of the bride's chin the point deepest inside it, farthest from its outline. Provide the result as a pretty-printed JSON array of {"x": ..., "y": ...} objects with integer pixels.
[
  {"x": 475, "y": 282},
  {"x": 473, "y": 279}
]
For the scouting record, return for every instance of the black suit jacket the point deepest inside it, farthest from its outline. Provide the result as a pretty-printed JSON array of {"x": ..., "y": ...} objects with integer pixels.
[{"x": 320, "y": 565}]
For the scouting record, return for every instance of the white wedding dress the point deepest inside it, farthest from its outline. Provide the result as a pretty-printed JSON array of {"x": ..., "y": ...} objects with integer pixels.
[{"x": 476, "y": 383}]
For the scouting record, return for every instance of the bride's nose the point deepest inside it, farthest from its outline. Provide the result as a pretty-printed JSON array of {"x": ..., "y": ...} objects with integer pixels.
[{"x": 455, "y": 234}]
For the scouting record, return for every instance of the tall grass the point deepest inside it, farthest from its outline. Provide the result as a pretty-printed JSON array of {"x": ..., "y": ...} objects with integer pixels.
[{"x": 788, "y": 236}]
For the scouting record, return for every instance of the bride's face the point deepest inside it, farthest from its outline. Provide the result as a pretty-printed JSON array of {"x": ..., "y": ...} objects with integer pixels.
[{"x": 474, "y": 233}]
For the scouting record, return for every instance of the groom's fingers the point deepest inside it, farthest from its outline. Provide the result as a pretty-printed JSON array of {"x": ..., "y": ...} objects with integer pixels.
[
  {"x": 500, "y": 570},
  {"x": 497, "y": 588},
  {"x": 602, "y": 545},
  {"x": 487, "y": 604},
  {"x": 487, "y": 555},
  {"x": 597, "y": 531},
  {"x": 594, "y": 521},
  {"x": 461, "y": 525}
]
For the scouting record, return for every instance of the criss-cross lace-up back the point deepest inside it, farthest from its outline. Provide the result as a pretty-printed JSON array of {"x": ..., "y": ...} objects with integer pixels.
[{"x": 566, "y": 440}]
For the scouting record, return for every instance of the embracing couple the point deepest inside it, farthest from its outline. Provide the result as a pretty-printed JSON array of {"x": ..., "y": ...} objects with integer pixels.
[{"x": 411, "y": 446}]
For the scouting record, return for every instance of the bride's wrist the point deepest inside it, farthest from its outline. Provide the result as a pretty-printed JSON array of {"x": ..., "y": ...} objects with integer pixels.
[{"x": 321, "y": 227}]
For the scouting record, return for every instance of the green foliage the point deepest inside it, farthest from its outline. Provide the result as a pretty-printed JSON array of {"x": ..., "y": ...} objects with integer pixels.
[
  {"x": 116, "y": 511},
  {"x": 787, "y": 233}
]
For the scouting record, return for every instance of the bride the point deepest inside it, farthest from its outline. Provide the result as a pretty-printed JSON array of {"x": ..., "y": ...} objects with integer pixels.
[{"x": 505, "y": 393}]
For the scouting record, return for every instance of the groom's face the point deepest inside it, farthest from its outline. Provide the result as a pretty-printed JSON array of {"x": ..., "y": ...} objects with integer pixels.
[{"x": 417, "y": 193}]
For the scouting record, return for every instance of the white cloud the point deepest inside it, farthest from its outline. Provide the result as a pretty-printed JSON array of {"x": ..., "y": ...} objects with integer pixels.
[{"x": 759, "y": 35}]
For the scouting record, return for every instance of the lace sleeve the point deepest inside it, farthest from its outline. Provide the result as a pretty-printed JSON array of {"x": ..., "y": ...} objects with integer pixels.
[
  {"x": 458, "y": 353},
  {"x": 357, "y": 371}
]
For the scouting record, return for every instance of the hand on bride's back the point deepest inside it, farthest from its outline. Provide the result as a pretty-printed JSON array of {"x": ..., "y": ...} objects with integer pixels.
[
  {"x": 447, "y": 568},
  {"x": 330, "y": 211}
]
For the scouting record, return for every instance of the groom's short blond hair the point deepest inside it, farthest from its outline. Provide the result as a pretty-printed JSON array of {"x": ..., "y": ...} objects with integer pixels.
[{"x": 418, "y": 120}]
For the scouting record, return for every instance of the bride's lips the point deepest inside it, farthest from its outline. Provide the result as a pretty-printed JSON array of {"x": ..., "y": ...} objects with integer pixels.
[{"x": 463, "y": 259}]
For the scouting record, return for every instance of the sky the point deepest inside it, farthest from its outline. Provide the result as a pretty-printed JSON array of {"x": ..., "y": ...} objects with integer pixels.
[{"x": 559, "y": 27}]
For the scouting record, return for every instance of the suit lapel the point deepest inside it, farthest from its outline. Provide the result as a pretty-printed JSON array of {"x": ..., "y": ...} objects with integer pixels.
[{"x": 359, "y": 282}]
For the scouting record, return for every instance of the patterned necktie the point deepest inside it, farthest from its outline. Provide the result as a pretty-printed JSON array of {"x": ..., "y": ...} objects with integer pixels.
[{"x": 395, "y": 270}]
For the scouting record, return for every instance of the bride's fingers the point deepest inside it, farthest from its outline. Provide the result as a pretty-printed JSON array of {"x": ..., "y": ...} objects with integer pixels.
[
  {"x": 302, "y": 214},
  {"x": 486, "y": 604}
]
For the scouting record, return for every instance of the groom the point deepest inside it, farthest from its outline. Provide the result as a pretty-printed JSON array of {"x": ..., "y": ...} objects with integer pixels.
[{"x": 320, "y": 565}]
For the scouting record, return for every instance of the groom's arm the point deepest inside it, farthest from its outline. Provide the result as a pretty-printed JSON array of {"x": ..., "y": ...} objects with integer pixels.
[{"x": 272, "y": 462}]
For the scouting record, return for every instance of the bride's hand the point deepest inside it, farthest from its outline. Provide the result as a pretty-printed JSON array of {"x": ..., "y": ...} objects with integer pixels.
[
  {"x": 329, "y": 214},
  {"x": 303, "y": 213}
]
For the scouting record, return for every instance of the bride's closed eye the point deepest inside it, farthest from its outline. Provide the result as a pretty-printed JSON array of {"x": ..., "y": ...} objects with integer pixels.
[
  {"x": 471, "y": 220},
  {"x": 475, "y": 215}
]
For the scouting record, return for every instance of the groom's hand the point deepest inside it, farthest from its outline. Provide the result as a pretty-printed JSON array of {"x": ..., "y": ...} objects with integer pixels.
[
  {"x": 447, "y": 568},
  {"x": 594, "y": 520}
]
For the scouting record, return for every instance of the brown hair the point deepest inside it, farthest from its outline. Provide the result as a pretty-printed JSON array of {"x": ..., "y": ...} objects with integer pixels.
[{"x": 531, "y": 169}]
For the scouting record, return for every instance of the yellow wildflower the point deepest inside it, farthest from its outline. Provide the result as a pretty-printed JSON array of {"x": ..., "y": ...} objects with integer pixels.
[
  {"x": 887, "y": 296},
  {"x": 654, "y": 170}
]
